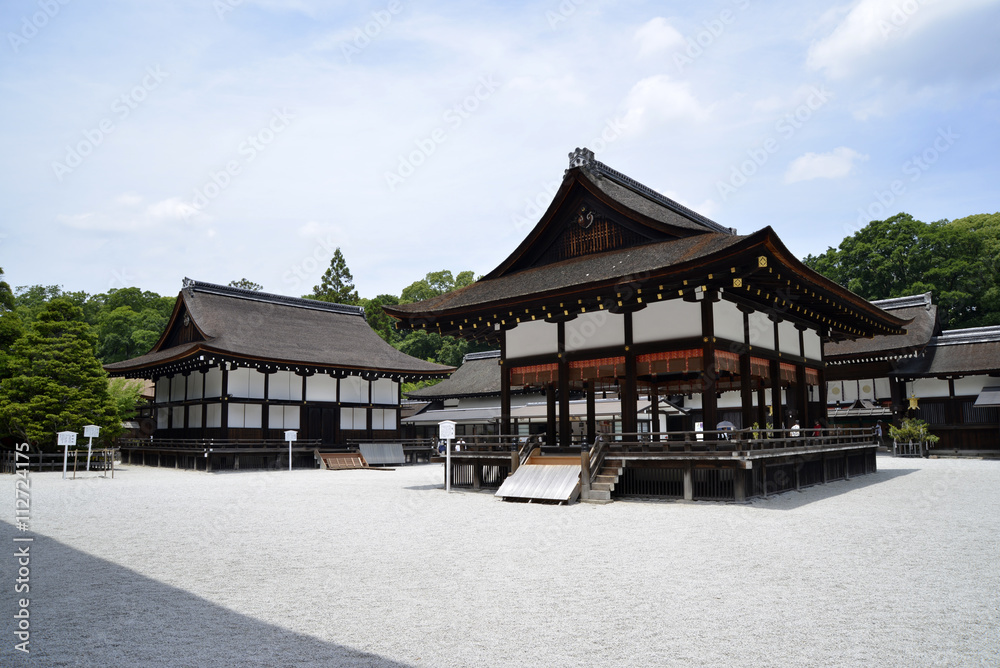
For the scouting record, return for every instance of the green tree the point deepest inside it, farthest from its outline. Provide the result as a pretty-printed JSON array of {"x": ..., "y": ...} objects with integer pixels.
[
  {"x": 377, "y": 319},
  {"x": 903, "y": 256},
  {"x": 57, "y": 384},
  {"x": 337, "y": 284},
  {"x": 246, "y": 284},
  {"x": 435, "y": 283},
  {"x": 125, "y": 395},
  {"x": 11, "y": 328}
]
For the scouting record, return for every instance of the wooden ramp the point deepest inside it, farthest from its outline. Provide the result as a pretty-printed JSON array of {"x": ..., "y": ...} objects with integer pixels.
[
  {"x": 542, "y": 482},
  {"x": 338, "y": 461},
  {"x": 377, "y": 454}
]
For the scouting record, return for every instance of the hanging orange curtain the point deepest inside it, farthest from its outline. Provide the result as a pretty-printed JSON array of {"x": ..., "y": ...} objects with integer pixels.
[
  {"x": 535, "y": 374},
  {"x": 787, "y": 372},
  {"x": 605, "y": 367},
  {"x": 672, "y": 361},
  {"x": 812, "y": 376}
]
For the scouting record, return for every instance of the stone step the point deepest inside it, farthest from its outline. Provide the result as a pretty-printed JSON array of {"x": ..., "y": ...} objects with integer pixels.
[
  {"x": 597, "y": 495},
  {"x": 612, "y": 479},
  {"x": 602, "y": 486}
]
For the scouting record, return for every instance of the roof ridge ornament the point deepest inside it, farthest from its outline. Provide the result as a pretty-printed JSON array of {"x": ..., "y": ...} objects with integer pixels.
[{"x": 581, "y": 157}]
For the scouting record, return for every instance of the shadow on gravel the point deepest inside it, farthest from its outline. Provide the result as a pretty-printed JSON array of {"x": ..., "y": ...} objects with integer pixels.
[
  {"x": 792, "y": 499},
  {"x": 85, "y": 611}
]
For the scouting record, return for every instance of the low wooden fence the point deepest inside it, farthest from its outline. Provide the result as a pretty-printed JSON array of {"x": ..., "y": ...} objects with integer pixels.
[{"x": 102, "y": 459}]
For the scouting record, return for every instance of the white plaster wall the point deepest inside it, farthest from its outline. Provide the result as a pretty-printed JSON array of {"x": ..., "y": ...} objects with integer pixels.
[
  {"x": 761, "y": 331},
  {"x": 354, "y": 390},
  {"x": 973, "y": 385},
  {"x": 814, "y": 344},
  {"x": 194, "y": 385},
  {"x": 728, "y": 321},
  {"x": 788, "y": 338},
  {"x": 384, "y": 391},
  {"x": 213, "y": 382},
  {"x": 665, "y": 321},
  {"x": 321, "y": 387},
  {"x": 599, "y": 329},
  {"x": 928, "y": 387},
  {"x": 532, "y": 338}
]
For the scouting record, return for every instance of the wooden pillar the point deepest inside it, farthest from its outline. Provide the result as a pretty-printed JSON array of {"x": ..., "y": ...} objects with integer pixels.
[
  {"x": 505, "y": 426},
  {"x": 746, "y": 381},
  {"x": 565, "y": 430},
  {"x": 821, "y": 371},
  {"x": 739, "y": 485},
  {"x": 591, "y": 412},
  {"x": 654, "y": 411},
  {"x": 802, "y": 396},
  {"x": 709, "y": 373},
  {"x": 550, "y": 414},
  {"x": 368, "y": 413},
  {"x": 477, "y": 476},
  {"x": 630, "y": 397},
  {"x": 776, "y": 408},
  {"x": 225, "y": 400},
  {"x": 265, "y": 412},
  {"x": 761, "y": 405},
  {"x": 688, "y": 482}
]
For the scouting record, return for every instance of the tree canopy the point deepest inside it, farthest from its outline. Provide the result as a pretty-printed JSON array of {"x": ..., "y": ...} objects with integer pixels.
[
  {"x": 958, "y": 261},
  {"x": 246, "y": 284},
  {"x": 56, "y": 382},
  {"x": 337, "y": 284}
]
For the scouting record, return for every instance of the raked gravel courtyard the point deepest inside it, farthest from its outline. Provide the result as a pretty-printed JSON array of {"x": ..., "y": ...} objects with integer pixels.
[{"x": 160, "y": 567}]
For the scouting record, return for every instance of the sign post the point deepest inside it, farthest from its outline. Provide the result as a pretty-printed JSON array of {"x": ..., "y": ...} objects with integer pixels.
[
  {"x": 290, "y": 437},
  {"x": 446, "y": 430},
  {"x": 90, "y": 432},
  {"x": 66, "y": 439}
]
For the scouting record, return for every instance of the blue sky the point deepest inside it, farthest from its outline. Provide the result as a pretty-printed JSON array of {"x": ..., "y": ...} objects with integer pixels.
[{"x": 145, "y": 142}]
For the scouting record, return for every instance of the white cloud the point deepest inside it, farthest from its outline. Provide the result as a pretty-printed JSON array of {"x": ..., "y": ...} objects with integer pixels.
[
  {"x": 875, "y": 27},
  {"x": 833, "y": 165},
  {"x": 660, "y": 99},
  {"x": 657, "y": 35},
  {"x": 129, "y": 215}
]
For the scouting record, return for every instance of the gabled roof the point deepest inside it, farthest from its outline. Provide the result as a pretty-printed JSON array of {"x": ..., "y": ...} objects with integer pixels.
[
  {"x": 956, "y": 352},
  {"x": 303, "y": 334},
  {"x": 479, "y": 375},
  {"x": 607, "y": 241},
  {"x": 923, "y": 324}
]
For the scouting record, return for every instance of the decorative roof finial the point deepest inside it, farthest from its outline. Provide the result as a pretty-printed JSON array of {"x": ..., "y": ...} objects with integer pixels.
[
  {"x": 581, "y": 157},
  {"x": 188, "y": 282}
]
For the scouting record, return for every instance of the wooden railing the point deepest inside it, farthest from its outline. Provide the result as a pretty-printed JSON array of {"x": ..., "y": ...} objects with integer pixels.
[
  {"x": 739, "y": 440},
  {"x": 215, "y": 443}
]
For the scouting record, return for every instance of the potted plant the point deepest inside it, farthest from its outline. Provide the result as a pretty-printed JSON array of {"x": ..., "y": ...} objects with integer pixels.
[{"x": 912, "y": 432}]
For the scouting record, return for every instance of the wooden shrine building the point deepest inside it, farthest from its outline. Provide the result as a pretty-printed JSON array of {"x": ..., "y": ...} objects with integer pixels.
[
  {"x": 619, "y": 287},
  {"x": 239, "y": 367}
]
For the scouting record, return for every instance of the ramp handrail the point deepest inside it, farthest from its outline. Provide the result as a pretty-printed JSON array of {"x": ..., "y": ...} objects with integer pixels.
[{"x": 597, "y": 453}]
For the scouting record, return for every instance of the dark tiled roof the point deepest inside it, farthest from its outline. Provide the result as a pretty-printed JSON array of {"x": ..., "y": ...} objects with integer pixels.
[
  {"x": 257, "y": 325},
  {"x": 588, "y": 269},
  {"x": 959, "y": 351},
  {"x": 478, "y": 375},
  {"x": 923, "y": 325}
]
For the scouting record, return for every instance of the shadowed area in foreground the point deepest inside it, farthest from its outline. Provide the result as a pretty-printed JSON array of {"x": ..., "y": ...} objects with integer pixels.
[{"x": 86, "y": 611}]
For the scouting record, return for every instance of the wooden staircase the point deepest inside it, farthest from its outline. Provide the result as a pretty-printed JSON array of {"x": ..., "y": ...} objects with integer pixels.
[{"x": 605, "y": 480}]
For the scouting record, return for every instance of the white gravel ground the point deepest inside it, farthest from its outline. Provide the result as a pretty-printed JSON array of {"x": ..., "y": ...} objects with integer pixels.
[{"x": 164, "y": 567}]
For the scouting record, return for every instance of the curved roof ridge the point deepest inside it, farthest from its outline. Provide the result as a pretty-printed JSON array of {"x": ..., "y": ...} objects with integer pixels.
[{"x": 271, "y": 298}]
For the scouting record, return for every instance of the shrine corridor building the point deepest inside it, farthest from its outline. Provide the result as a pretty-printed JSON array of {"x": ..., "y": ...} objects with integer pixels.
[{"x": 620, "y": 289}]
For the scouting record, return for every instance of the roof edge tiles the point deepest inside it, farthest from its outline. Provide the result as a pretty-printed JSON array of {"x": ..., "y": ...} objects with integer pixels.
[
  {"x": 484, "y": 355},
  {"x": 909, "y": 301},
  {"x": 270, "y": 298},
  {"x": 584, "y": 157},
  {"x": 956, "y": 337}
]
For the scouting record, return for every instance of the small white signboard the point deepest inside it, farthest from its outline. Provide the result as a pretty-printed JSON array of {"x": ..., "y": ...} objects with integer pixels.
[
  {"x": 90, "y": 431},
  {"x": 446, "y": 431},
  {"x": 66, "y": 439},
  {"x": 290, "y": 436}
]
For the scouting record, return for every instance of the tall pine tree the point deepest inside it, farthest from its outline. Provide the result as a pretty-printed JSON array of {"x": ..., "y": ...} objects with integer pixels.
[
  {"x": 337, "y": 284},
  {"x": 56, "y": 383}
]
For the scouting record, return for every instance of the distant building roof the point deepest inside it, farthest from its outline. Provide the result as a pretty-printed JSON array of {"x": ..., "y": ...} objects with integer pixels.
[
  {"x": 956, "y": 352},
  {"x": 479, "y": 375},
  {"x": 244, "y": 325},
  {"x": 921, "y": 313}
]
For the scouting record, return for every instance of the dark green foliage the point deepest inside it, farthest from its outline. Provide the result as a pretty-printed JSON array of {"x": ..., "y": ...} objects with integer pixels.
[
  {"x": 379, "y": 321},
  {"x": 11, "y": 328},
  {"x": 246, "y": 284},
  {"x": 338, "y": 284},
  {"x": 435, "y": 283},
  {"x": 56, "y": 383},
  {"x": 957, "y": 261}
]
